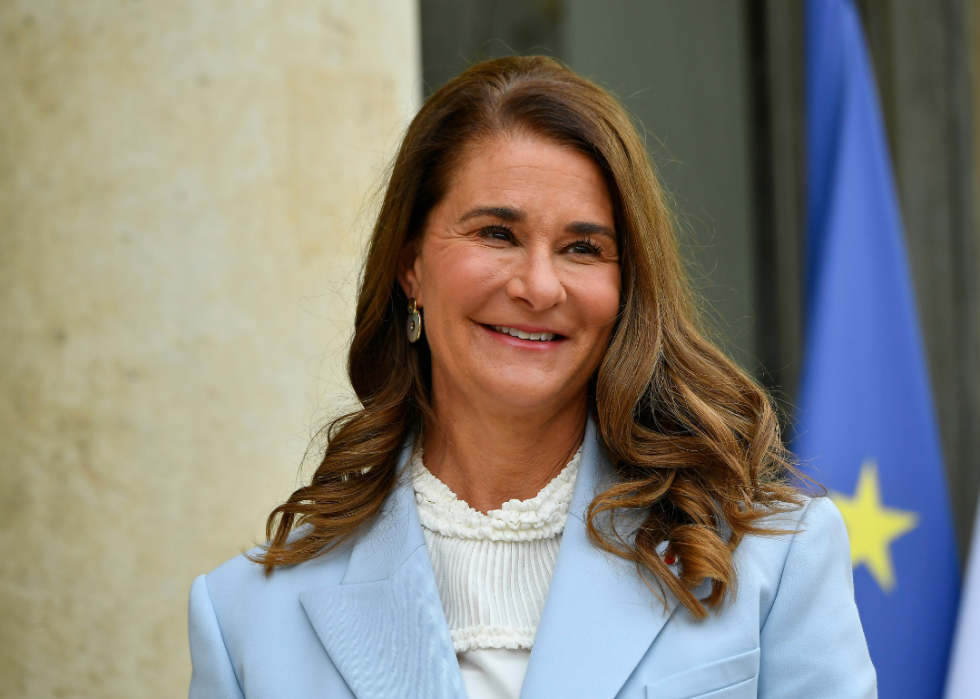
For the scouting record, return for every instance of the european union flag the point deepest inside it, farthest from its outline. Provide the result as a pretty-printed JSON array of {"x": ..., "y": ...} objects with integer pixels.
[{"x": 866, "y": 416}]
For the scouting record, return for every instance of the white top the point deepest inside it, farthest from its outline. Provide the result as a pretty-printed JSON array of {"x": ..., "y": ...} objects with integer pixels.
[{"x": 493, "y": 571}]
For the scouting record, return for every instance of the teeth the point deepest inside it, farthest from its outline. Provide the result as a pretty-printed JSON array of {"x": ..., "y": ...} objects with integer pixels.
[{"x": 541, "y": 337}]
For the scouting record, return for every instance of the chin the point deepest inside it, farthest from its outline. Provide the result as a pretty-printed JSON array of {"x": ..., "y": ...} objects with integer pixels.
[{"x": 527, "y": 394}]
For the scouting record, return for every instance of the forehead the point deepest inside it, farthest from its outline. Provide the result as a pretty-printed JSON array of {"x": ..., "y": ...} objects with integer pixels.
[{"x": 530, "y": 172}]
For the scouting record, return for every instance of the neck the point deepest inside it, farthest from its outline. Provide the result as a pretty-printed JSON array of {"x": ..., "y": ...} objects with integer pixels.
[{"x": 487, "y": 457}]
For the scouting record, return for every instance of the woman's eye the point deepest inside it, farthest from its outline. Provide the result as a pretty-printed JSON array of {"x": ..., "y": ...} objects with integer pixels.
[
  {"x": 497, "y": 232},
  {"x": 585, "y": 247}
]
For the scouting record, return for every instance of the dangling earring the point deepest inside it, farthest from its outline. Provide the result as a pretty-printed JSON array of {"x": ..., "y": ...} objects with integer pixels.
[{"x": 414, "y": 327}]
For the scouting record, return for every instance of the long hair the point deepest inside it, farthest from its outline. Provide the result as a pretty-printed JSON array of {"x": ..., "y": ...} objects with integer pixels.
[{"x": 694, "y": 440}]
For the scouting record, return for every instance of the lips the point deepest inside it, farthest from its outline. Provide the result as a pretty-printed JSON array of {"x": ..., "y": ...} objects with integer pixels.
[{"x": 523, "y": 335}]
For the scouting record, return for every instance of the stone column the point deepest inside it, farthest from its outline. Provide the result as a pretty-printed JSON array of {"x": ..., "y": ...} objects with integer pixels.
[{"x": 184, "y": 191}]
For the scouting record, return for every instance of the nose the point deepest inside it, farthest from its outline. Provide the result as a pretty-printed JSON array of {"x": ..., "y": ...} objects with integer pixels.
[{"x": 536, "y": 283}]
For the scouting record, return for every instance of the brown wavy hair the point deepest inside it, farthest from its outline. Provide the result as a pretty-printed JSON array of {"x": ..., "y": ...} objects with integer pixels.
[{"x": 695, "y": 441}]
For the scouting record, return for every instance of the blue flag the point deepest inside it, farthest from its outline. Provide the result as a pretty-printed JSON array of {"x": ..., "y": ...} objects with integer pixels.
[{"x": 866, "y": 420}]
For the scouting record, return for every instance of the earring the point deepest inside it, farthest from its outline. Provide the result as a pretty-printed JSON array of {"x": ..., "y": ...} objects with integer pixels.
[{"x": 414, "y": 327}]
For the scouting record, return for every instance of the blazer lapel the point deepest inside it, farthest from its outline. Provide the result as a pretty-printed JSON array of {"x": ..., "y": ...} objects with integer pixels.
[
  {"x": 599, "y": 618},
  {"x": 384, "y": 626}
]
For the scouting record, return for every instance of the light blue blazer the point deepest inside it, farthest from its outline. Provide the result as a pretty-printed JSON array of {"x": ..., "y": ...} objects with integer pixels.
[{"x": 366, "y": 621}]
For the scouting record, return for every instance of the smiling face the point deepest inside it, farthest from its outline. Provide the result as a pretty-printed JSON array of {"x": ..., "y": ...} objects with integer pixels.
[{"x": 517, "y": 275}]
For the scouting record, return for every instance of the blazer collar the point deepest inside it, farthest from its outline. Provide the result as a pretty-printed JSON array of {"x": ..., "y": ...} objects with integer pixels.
[
  {"x": 384, "y": 626},
  {"x": 386, "y": 632}
]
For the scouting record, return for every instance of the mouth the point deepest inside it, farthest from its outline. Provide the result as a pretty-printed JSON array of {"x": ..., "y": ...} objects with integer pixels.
[{"x": 529, "y": 335}]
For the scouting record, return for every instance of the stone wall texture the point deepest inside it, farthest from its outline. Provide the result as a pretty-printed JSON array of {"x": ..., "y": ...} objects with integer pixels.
[{"x": 185, "y": 187}]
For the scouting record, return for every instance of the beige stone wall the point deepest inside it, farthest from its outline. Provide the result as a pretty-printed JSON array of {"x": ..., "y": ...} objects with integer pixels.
[{"x": 180, "y": 184}]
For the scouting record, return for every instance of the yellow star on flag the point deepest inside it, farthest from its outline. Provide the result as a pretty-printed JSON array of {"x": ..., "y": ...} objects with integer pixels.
[{"x": 872, "y": 527}]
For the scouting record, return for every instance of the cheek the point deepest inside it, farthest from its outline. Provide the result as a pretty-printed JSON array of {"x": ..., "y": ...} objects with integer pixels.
[
  {"x": 599, "y": 298},
  {"x": 459, "y": 280}
]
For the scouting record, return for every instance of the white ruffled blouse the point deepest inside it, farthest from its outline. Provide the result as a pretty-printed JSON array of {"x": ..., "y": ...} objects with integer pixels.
[{"x": 493, "y": 571}]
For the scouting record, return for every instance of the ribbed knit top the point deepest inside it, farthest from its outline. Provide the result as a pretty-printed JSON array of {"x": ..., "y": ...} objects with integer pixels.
[{"x": 493, "y": 570}]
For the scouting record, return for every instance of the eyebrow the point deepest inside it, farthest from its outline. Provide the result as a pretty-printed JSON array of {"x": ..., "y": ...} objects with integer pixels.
[
  {"x": 514, "y": 215},
  {"x": 587, "y": 228},
  {"x": 504, "y": 213}
]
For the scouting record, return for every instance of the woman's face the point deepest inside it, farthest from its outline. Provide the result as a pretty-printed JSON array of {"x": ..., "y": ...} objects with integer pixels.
[{"x": 517, "y": 274}]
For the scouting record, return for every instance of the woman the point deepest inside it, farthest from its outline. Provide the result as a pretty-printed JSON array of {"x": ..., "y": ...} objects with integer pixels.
[{"x": 556, "y": 487}]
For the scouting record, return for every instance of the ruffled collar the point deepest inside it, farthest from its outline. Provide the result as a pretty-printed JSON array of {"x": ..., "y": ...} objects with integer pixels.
[{"x": 540, "y": 517}]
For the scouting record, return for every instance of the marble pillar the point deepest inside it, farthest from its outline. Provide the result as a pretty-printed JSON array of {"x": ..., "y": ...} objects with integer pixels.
[{"x": 185, "y": 188}]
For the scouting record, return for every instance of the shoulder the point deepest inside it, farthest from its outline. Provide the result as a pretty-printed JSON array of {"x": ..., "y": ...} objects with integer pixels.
[
  {"x": 815, "y": 529},
  {"x": 241, "y": 619},
  {"x": 816, "y": 519},
  {"x": 795, "y": 545},
  {"x": 818, "y": 547},
  {"x": 242, "y": 579},
  {"x": 243, "y": 596},
  {"x": 816, "y": 522}
]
